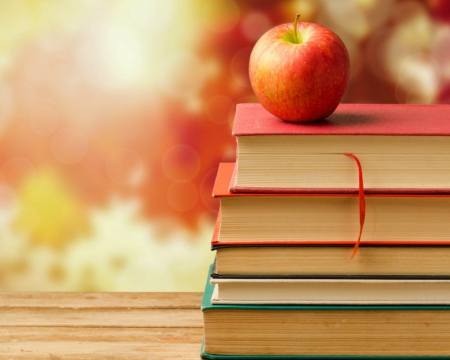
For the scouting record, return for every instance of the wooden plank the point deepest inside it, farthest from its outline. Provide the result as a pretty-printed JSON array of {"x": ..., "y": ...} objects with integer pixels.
[
  {"x": 75, "y": 350},
  {"x": 37, "y": 343},
  {"x": 101, "y": 317},
  {"x": 168, "y": 300},
  {"x": 95, "y": 326},
  {"x": 161, "y": 335}
]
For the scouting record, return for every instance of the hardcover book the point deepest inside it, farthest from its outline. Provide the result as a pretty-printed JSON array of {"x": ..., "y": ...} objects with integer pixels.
[
  {"x": 326, "y": 290},
  {"x": 296, "y": 261},
  {"x": 402, "y": 148},
  {"x": 233, "y": 331},
  {"x": 279, "y": 219}
]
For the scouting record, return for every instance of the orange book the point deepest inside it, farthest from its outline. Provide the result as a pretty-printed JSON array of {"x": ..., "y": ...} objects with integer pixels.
[{"x": 309, "y": 218}]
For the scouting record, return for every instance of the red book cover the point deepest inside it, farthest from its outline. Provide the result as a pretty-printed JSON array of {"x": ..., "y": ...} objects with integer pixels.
[
  {"x": 353, "y": 120},
  {"x": 221, "y": 190},
  {"x": 349, "y": 119}
]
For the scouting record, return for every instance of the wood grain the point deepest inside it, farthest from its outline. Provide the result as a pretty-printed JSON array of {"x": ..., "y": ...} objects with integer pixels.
[
  {"x": 100, "y": 326},
  {"x": 169, "y": 300}
]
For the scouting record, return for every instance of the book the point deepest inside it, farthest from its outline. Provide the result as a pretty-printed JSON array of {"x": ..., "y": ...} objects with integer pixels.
[
  {"x": 370, "y": 261},
  {"x": 348, "y": 291},
  {"x": 402, "y": 149},
  {"x": 326, "y": 219},
  {"x": 236, "y": 331}
]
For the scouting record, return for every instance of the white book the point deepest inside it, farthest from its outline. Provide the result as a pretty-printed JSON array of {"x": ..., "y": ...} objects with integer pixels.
[{"x": 331, "y": 291}]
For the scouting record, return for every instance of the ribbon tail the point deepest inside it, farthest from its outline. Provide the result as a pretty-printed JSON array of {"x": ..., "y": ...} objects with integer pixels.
[{"x": 362, "y": 203}]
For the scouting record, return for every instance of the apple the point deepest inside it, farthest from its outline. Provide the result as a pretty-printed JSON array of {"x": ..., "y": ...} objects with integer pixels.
[{"x": 299, "y": 71}]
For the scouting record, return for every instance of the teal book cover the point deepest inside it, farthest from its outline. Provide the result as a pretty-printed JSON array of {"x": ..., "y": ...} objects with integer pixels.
[{"x": 208, "y": 306}]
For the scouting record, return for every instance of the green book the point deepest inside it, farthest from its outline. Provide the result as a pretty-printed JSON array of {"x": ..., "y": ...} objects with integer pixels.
[{"x": 324, "y": 332}]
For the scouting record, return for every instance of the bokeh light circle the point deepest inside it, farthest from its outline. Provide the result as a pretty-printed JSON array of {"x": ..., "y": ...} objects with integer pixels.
[
  {"x": 181, "y": 163},
  {"x": 255, "y": 24}
]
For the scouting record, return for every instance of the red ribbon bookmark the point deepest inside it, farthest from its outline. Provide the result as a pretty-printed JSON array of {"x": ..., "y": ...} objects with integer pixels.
[{"x": 362, "y": 203}]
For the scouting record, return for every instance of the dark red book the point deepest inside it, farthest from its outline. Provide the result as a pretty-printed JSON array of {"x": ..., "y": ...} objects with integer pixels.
[
  {"x": 317, "y": 218},
  {"x": 401, "y": 148}
]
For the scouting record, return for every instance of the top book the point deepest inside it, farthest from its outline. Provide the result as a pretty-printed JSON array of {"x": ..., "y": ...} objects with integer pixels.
[{"x": 401, "y": 149}]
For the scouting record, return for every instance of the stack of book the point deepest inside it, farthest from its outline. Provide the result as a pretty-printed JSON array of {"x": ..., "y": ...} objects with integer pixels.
[{"x": 333, "y": 238}]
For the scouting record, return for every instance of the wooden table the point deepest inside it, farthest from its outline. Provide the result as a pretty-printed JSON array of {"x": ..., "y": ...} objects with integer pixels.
[{"x": 100, "y": 326}]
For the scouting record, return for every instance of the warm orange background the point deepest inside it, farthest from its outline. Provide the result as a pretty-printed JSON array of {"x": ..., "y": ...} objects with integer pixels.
[{"x": 115, "y": 114}]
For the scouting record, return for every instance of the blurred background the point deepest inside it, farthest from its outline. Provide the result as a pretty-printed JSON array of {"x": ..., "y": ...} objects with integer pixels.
[{"x": 115, "y": 114}]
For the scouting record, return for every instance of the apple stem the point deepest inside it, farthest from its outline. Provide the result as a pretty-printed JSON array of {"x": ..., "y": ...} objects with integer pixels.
[{"x": 295, "y": 28}]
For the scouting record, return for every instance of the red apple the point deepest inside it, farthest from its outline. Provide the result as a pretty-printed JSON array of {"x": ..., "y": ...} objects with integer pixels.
[{"x": 299, "y": 75}]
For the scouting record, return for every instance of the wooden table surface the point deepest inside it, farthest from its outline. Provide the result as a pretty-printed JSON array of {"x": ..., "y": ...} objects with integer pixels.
[{"x": 100, "y": 325}]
